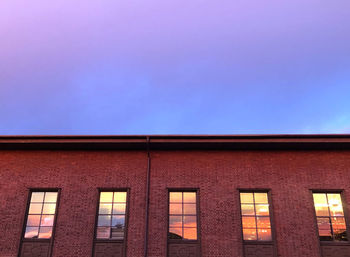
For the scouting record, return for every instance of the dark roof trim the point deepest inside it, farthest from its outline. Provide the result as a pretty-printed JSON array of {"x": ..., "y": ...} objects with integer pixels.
[{"x": 178, "y": 142}]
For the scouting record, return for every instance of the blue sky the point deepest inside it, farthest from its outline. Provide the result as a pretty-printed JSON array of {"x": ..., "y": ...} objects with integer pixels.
[{"x": 174, "y": 67}]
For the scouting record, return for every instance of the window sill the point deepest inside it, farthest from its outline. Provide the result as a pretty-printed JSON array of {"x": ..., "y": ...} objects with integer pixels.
[
  {"x": 182, "y": 241},
  {"x": 36, "y": 239},
  {"x": 335, "y": 243},
  {"x": 255, "y": 242},
  {"x": 109, "y": 240}
]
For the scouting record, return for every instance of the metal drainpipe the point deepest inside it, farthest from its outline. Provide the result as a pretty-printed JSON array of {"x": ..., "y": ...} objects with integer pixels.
[{"x": 147, "y": 196}]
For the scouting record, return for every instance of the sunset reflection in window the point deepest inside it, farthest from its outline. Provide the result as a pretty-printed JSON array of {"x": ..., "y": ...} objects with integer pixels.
[
  {"x": 111, "y": 215},
  {"x": 330, "y": 217},
  {"x": 183, "y": 215},
  {"x": 255, "y": 216},
  {"x": 41, "y": 215}
]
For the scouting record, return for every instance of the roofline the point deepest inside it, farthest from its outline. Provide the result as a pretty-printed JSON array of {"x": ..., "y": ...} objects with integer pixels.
[
  {"x": 171, "y": 136},
  {"x": 177, "y": 142}
]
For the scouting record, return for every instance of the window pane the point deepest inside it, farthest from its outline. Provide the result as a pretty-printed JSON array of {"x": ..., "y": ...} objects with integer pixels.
[
  {"x": 260, "y": 197},
  {"x": 262, "y": 209},
  {"x": 190, "y": 221},
  {"x": 40, "y": 215},
  {"x": 175, "y": 221},
  {"x": 190, "y": 233},
  {"x": 105, "y": 208},
  {"x": 120, "y": 197},
  {"x": 247, "y": 209},
  {"x": 106, "y": 197},
  {"x": 45, "y": 232},
  {"x": 47, "y": 220},
  {"x": 255, "y": 216},
  {"x": 111, "y": 218},
  {"x": 325, "y": 235},
  {"x": 103, "y": 232},
  {"x": 263, "y": 222},
  {"x": 33, "y": 220},
  {"x": 246, "y": 197},
  {"x": 190, "y": 208},
  {"x": 323, "y": 224},
  {"x": 175, "y": 208},
  {"x": 249, "y": 234},
  {"x": 340, "y": 235},
  {"x": 37, "y": 197},
  {"x": 182, "y": 215},
  {"x": 321, "y": 210},
  {"x": 50, "y": 197},
  {"x": 325, "y": 232},
  {"x": 189, "y": 197},
  {"x": 49, "y": 208},
  {"x": 31, "y": 232},
  {"x": 35, "y": 208},
  {"x": 335, "y": 205},
  {"x": 321, "y": 205},
  {"x": 175, "y": 197},
  {"x": 334, "y": 198},
  {"x": 175, "y": 233},
  {"x": 338, "y": 223},
  {"x": 119, "y": 208},
  {"x": 320, "y": 198},
  {"x": 248, "y": 222},
  {"x": 104, "y": 220},
  {"x": 264, "y": 234},
  {"x": 118, "y": 220},
  {"x": 117, "y": 233},
  {"x": 336, "y": 210}
]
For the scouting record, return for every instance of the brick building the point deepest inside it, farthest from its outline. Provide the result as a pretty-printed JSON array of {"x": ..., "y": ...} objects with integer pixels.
[{"x": 176, "y": 196}]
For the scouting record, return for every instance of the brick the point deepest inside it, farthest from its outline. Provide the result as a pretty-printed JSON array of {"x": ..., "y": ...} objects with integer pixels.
[{"x": 217, "y": 174}]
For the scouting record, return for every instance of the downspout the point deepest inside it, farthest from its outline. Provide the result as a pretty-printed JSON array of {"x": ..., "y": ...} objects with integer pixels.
[{"x": 147, "y": 195}]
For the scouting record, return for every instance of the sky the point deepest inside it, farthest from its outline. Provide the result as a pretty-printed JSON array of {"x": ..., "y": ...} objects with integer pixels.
[{"x": 127, "y": 67}]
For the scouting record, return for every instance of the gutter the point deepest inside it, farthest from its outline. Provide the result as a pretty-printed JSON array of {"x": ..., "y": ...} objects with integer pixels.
[
  {"x": 148, "y": 184},
  {"x": 178, "y": 142}
]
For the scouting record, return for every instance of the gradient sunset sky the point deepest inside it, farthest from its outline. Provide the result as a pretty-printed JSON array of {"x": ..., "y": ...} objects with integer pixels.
[{"x": 174, "y": 67}]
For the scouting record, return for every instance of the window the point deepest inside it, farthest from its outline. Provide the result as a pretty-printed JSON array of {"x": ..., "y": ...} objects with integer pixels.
[
  {"x": 330, "y": 217},
  {"x": 111, "y": 215},
  {"x": 41, "y": 215},
  {"x": 255, "y": 212},
  {"x": 183, "y": 215}
]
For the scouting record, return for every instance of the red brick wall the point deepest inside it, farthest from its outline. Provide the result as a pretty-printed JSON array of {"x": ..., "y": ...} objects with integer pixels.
[
  {"x": 78, "y": 174},
  {"x": 289, "y": 175}
]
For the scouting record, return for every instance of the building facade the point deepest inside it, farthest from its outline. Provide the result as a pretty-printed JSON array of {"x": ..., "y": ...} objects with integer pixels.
[{"x": 175, "y": 196}]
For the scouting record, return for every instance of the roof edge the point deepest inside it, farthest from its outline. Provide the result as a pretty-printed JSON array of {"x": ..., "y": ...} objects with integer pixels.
[{"x": 170, "y": 142}]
